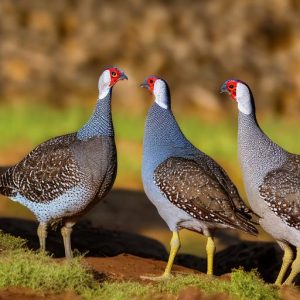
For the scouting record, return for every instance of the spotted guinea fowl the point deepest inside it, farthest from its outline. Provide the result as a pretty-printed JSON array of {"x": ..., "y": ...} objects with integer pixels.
[
  {"x": 271, "y": 178},
  {"x": 189, "y": 189},
  {"x": 66, "y": 175}
]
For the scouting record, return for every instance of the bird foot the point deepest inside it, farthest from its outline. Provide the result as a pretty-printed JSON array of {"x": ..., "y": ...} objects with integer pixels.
[
  {"x": 157, "y": 278},
  {"x": 277, "y": 284},
  {"x": 286, "y": 283}
]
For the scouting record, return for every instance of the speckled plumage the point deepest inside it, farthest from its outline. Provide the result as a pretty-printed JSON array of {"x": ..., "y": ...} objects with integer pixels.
[
  {"x": 272, "y": 180},
  {"x": 281, "y": 190},
  {"x": 271, "y": 176},
  {"x": 163, "y": 139},
  {"x": 60, "y": 178},
  {"x": 45, "y": 173},
  {"x": 189, "y": 189},
  {"x": 65, "y": 176},
  {"x": 198, "y": 192},
  {"x": 261, "y": 160}
]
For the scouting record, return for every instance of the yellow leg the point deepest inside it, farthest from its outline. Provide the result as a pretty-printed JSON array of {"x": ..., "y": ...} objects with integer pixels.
[
  {"x": 210, "y": 250},
  {"x": 66, "y": 234},
  {"x": 42, "y": 234},
  {"x": 286, "y": 260},
  {"x": 295, "y": 268},
  {"x": 175, "y": 245}
]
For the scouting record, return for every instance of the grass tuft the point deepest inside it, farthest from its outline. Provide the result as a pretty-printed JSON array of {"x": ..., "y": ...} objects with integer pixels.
[
  {"x": 248, "y": 285},
  {"x": 243, "y": 285},
  {"x": 121, "y": 291},
  {"x": 25, "y": 268},
  {"x": 8, "y": 242},
  {"x": 21, "y": 267}
]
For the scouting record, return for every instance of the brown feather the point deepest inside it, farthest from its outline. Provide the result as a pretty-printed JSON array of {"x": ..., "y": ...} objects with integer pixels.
[
  {"x": 45, "y": 173},
  {"x": 187, "y": 185}
]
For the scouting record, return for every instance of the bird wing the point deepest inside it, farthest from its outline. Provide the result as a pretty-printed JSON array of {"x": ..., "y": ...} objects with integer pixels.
[
  {"x": 188, "y": 186},
  {"x": 230, "y": 188},
  {"x": 281, "y": 191},
  {"x": 45, "y": 173}
]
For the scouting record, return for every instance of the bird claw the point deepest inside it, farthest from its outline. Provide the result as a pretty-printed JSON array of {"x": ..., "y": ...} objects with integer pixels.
[{"x": 157, "y": 278}]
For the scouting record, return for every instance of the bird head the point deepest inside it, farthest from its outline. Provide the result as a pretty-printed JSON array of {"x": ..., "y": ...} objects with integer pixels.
[
  {"x": 149, "y": 83},
  {"x": 159, "y": 88},
  {"x": 239, "y": 92},
  {"x": 109, "y": 77}
]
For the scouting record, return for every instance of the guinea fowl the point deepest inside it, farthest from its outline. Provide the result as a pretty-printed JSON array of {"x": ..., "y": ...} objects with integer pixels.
[
  {"x": 271, "y": 177},
  {"x": 65, "y": 176},
  {"x": 189, "y": 189}
]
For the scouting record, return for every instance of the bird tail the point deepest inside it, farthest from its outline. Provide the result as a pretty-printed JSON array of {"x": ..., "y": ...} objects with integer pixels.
[
  {"x": 6, "y": 182},
  {"x": 3, "y": 169},
  {"x": 246, "y": 225}
]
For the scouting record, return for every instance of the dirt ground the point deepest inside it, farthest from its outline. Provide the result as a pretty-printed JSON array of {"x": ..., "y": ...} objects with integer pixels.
[
  {"x": 28, "y": 294},
  {"x": 130, "y": 267}
]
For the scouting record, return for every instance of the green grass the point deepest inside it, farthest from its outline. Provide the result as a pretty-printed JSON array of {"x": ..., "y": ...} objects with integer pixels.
[
  {"x": 20, "y": 267},
  {"x": 243, "y": 286},
  {"x": 35, "y": 123},
  {"x": 8, "y": 242}
]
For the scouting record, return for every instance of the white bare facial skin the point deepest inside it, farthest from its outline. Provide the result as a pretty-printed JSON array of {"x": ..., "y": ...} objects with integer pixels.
[
  {"x": 161, "y": 94},
  {"x": 243, "y": 99},
  {"x": 103, "y": 84}
]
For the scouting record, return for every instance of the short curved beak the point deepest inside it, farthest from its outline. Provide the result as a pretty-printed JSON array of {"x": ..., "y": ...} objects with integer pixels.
[
  {"x": 144, "y": 85},
  {"x": 224, "y": 88},
  {"x": 123, "y": 76}
]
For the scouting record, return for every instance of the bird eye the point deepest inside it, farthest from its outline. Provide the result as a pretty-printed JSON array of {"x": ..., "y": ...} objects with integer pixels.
[
  {"x": 151, "y": 81},
  {"x": 113, "y": 74},
  {"x": 231, "y": 86}
]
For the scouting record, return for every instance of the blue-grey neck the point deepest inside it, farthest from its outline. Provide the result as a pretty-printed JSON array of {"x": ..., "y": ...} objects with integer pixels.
[
  {"x": 163, "y": 137},
  {"x": 100, "y": 123},
  {"x": 257, "y": 153}
]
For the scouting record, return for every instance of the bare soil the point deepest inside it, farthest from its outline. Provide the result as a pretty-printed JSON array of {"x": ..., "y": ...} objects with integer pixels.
[
  {"x": 16, "y": 293},
  {"x": 130, "y": 267}
]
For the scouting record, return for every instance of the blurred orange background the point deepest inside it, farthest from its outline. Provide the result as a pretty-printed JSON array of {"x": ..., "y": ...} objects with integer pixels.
[{"x": 53, "y": 51}]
